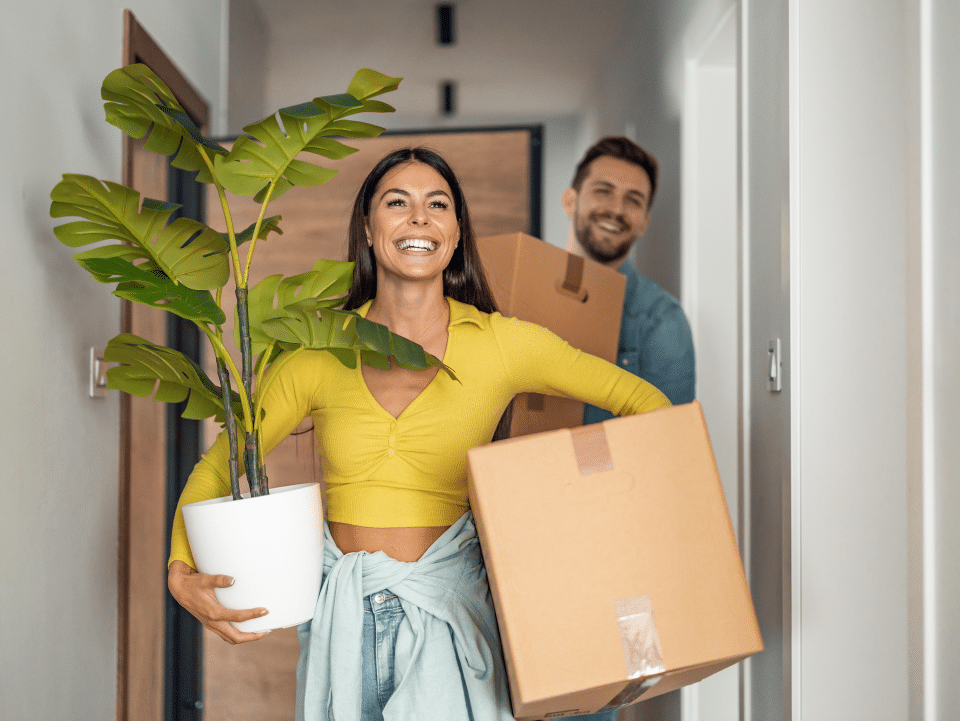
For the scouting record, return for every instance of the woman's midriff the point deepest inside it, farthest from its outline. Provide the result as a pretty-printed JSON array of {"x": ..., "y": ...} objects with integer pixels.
[{"x": 402, "y": 544}]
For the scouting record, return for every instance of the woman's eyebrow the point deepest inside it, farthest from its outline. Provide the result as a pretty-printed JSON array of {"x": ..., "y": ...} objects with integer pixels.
[{"x": 401, "y": 191}]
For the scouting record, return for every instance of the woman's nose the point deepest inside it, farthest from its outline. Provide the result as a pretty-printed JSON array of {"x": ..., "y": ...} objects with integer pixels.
[{"x": 418, "y": 216}]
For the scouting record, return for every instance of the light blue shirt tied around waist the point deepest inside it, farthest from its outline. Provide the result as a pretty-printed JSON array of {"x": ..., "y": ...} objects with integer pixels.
[{"x": 448, "y": 656}]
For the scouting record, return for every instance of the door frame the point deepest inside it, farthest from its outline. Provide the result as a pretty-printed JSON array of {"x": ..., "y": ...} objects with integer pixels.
[{"x": 138, "y": 47}]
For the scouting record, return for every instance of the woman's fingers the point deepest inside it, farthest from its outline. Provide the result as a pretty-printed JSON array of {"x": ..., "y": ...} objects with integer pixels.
[{"x": 195, "y": 592}]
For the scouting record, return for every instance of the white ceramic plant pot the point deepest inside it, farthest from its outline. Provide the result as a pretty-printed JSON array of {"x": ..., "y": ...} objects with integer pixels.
[{"x": 271, "y": 545}]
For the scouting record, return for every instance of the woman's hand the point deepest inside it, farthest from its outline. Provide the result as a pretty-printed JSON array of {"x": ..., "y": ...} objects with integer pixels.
[{"x": 194, "y": 591}]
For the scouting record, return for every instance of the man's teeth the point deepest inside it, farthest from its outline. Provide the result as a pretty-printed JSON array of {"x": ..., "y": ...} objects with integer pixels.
[
  {"x": 611, "y": 227},
  {"x": 416, "y": 244}
]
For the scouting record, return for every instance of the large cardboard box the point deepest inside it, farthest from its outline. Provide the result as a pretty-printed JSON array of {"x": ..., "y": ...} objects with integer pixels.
[
  {"x": 578, "y": 299},
  {"x": 612, "y": 560}
]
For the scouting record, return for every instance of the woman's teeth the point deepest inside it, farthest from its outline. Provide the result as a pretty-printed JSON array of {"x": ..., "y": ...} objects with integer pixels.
[{"x": 416, "y": 244}]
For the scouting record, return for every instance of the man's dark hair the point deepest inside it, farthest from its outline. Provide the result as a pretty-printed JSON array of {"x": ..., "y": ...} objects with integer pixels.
[{"x": 623, "y": 149}]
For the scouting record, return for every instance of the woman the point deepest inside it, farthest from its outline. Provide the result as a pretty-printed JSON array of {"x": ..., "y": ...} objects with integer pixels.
[{"x": 404, "y": 613}]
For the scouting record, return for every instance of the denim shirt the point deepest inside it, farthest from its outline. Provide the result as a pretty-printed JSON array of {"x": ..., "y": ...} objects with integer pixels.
[
  {"x": 655, "y": 341},
  {"x": 448, "y": 664}
]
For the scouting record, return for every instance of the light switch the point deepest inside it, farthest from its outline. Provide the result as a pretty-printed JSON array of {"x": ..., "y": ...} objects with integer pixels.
[
  {"x": 774, "y": 367},
  {"x": 98, "y": 374}
]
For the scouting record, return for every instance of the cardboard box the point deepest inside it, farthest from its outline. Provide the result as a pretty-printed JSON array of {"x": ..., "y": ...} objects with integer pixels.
[
  {"x": 612, "y": 561},
  {"x": 578, "y": 299}
]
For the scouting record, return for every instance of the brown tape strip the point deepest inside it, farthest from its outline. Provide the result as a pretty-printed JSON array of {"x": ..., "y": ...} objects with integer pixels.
[
  {"x": 536, "y": 402},
  {"x": 591, "y": 449},
  {"x": 574, "y": 275}
]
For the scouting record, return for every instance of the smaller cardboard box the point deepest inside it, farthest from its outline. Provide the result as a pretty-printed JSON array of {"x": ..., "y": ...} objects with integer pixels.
[
  {"x": 578, "y": 299},
  {"x": 612, "y": 562}
]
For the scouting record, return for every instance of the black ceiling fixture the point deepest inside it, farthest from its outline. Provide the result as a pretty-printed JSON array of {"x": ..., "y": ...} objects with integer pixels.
[
  {"x": 448, "y": 97},
  {"x": 445, "y": 29}
]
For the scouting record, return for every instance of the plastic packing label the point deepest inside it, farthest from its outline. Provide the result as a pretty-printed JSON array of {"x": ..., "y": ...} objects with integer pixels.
[{"x": 641, "y": 648}]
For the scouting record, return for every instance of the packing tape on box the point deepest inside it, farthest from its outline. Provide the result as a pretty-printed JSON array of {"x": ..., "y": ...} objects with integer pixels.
[
  {"x": 536, "y": 402},
  {"x": 641, "y": 648},
  {"x": 572, "y": 283},
  {"x": 591, "y": 449}
]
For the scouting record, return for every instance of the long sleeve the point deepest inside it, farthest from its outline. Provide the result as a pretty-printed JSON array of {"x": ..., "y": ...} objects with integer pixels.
[{"x": 539, "y": 361}]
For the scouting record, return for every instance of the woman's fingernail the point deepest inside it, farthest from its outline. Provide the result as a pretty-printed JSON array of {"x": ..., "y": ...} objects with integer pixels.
[
  {"x": 232, "y": 581},
  {"x": 264, "y": 612}
]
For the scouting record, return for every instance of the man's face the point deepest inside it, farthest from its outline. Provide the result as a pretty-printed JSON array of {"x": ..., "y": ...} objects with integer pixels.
[{"x": 611, "y": 209}]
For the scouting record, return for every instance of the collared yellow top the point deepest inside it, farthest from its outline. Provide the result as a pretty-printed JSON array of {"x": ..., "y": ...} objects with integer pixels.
[{"x": 411, "y": 470}]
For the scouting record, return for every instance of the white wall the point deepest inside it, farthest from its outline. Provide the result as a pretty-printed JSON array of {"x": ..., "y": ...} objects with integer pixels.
[
  {"x": 944, "y": 386},
  {"x": 58, "y": 517},
  {"x": 848, "y": 154},
  {"x": 640, "y": 94},
  {"x": 246, "y": 84}
]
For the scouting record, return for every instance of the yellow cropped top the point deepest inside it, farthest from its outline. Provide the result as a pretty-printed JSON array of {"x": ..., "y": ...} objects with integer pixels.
[{"x": 411, "y": 470}]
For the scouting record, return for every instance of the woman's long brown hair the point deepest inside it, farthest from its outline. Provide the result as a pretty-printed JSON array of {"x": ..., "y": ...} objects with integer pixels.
[{"x": 463, "y": 279}]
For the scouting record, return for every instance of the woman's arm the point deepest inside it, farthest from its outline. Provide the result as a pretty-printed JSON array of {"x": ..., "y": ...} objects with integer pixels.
[
  {"x": 538, "y": 361},
  {"x": 289, "y": 399}
]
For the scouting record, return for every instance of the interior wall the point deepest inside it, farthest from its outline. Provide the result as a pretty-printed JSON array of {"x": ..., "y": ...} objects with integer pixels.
[
  {"x": 849, "y": 251},
  {"x": 639, "y": 94},
  {"x": 58, "y": 519},
  {"x": 247, "y": 60},
  {"x": 766, "y": 316},
  {"x": 944, "y": 329}
]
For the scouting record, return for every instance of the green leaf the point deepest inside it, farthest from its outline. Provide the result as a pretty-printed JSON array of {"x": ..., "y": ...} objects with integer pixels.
[
  {"x": 138, "y": 103},
  {"x": 186, "y": 251},
  {"x": 341, "y": 330},
  {"x": 148, "y": 285},
  {"x": 369, "y": 83},
  {"x": 167, "y": 375},
  {"x": 275, "y": 297},
  {"x": 252, "y": 166},
  {"x": 354, "y": 129},
  {"x": 269, "y": 224},
  {"x": 268, "y": 154}
]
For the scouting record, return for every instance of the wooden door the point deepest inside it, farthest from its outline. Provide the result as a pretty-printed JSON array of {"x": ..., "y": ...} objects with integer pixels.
[
  {"x": 257, "y": 680},
  {"x": 144, "y": 527}
]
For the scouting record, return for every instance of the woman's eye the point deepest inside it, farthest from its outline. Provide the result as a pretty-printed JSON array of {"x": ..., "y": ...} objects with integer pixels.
[
  {"x": 439, "y": 204},
  {"x": 395, "y": 202}
]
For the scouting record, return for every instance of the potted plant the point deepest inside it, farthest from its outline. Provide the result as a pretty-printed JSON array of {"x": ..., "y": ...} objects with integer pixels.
[{"x": 183, "y": 267}]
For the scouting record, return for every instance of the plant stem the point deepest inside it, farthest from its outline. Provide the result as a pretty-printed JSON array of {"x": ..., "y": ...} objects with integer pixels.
[
  {"x": 231, "y": 420},
  {"x": 256, "y": 232},
  {"x": 222, "y": 353},
  {"x": 252, "y": 458}
]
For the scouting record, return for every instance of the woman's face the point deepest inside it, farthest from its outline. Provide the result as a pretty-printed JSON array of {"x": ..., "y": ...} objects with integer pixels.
[{"x": 412, "y": 225}]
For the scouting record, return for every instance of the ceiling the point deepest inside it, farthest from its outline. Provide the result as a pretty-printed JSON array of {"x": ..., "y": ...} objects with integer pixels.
[{"x": 513, "y": 60}]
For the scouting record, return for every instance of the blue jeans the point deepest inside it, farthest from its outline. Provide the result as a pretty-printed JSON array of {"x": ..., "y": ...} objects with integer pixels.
[{"x": 382, "y": 616}]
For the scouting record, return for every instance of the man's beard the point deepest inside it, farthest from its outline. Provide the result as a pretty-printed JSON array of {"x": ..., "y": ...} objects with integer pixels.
[{"x": 599, "y": 250}]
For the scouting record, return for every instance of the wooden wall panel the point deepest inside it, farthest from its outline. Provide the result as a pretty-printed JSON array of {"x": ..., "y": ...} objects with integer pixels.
[{"x": 144, "y": 534}]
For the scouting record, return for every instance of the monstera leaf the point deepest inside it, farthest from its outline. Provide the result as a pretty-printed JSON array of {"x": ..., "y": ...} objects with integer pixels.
[
  {"x": 168, "y": 375},
  {"x": 148, "y": 285},
  {"x": 269, "y": 224},
  {"x": 275, "y": 297},
  {"x": 138, "y": 102},
  {"x": 186, "y": 251},
  {"x": 270, "y": 156},
  {"x": 343, "y": 332}
]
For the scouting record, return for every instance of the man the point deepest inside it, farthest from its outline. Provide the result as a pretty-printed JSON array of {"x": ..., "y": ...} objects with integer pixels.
[{"x": 609, "y": 208}]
